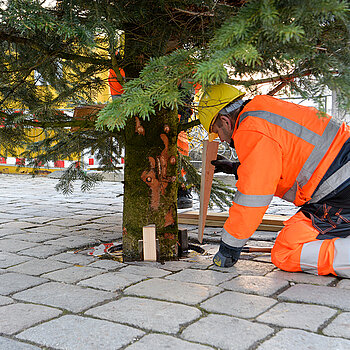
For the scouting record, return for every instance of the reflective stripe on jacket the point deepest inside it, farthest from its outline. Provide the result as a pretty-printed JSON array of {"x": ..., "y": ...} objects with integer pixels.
[
  {"x": 182, "y": 143},
  {"x": 284, "y": 150}
]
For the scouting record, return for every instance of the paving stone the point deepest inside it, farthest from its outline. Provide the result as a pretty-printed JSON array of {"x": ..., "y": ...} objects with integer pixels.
[
  {"x": 255, "y": 285},
  {"x": 266, "y": 258},
  {"x": 292, "y": 339},
  {"x": 2, "y": 221},
  {"x": 50, "y": 229},
  {"x": 64, "y": 296},
  {"x": 53, "y": 212},
  {"x": 292, "y": 315},
  {"x": 339, "y": 327},
  {"x": 17, "y": 317},
  {"x": 5, "y": 301},
  {"x": 175, "y": 265},
  {"x": 116, "y": 229},
  {"x": 43, "y": 251},
  {"x": 87, "y": 218},
  {"x": 112, "y": 281},
  {"x": 9, "y": 216},
  {"x": 25, "y": 212},
  {"x": 14, "y": 245},
  {"x": 226, "y": 332},
  {"x": 199, "y": 261},
  {"x": 211, "y": 250},
  {"x": 201, "y": 276},
  {"x": 247, "y": 267},
  {"x": 76, "y": 333},
  {"x": 94, "y": 206},
  {"x": 159, "y": 316},
  {"x": 15, "y": 226},
  {"x": 238, "y": 304},
  {"x": 108, "y": 219},
  {"x": 183, "y": 292},
  {"x": 329, "y": 296},
  {"x": 10, "y": 344},
  {"x": 36, "y": 267},
  {"x": 29, "y": 202},
  {"x": 113, "y": 228},
  {"x": 345, "y": 283},
  {"x": 38, "y": 219},
  {"x": 102, "y": 236},
  {"x": 147, "y": 271},
  {"x": 161, "y": 341},
  {"x": 4, "y": 233},
  {"x": 90, "y": 225},
  {"x": 73, "y": 258},
  {"x": 73, "y": 274},
  {"x": 264, "y": 236},
  {"x": 35, "y": 237},
  {"x": 72, "y": 242},
  {"x": 301, "y": 277},
  {"x": 9, "y": 259},
  {"x": 109, "y": 265},
  {"x": 69, "y": 222},
  {"x": 12, "y": 282}
]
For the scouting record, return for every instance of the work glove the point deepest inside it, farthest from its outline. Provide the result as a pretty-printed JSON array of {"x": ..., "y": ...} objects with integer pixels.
[
  {"x": 227, "y": 256},
  {"x": 223, "y": 165}
]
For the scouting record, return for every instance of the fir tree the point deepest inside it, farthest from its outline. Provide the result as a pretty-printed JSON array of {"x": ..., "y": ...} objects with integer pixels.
[
  {"x": 52, "y": 57},
  {"x": 164, "y": 47}
]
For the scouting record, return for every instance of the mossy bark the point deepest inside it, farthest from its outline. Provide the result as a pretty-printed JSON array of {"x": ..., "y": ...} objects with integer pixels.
[{"x": 150, "y": 183}]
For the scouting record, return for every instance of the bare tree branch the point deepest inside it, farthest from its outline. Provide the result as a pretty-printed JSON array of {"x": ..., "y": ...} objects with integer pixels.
[
  {"x": 55, "y": 53},
  {"x": 193, "y": 13},
  {"x": 282, "y": 78}
]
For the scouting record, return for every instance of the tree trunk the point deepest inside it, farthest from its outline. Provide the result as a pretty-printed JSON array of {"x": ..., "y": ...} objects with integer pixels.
[{"x": 150, "y": 183}]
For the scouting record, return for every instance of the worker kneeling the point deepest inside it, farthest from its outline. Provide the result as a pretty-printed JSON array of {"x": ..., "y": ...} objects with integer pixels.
[{"x": 296, "y": 153}]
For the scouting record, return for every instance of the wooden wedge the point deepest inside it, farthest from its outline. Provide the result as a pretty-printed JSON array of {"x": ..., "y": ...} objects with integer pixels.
[{"x": 210, "y": 150}]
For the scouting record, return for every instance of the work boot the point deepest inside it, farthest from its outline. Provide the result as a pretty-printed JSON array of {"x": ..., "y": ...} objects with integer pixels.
[{"x": 184, "y": 198}]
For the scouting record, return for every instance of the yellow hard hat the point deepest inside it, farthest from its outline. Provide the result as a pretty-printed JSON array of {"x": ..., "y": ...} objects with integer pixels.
[{"x": 215, "y": 98}]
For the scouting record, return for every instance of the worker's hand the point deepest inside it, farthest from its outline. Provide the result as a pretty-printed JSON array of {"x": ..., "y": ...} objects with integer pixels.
[
  {"x": 227, "y": 256},
  {"x": 223, "y": 165}
]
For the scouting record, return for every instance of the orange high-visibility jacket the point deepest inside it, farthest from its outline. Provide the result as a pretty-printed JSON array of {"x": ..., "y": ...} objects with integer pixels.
[
  {"x": 115, "y": 87},
  {"x": 284, "y": 150}
]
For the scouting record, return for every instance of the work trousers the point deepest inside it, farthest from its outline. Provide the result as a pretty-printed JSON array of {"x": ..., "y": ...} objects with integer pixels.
[{"x": 315, "y": 240}]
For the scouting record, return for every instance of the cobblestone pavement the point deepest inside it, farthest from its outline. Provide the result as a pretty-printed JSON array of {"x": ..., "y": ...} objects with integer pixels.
[{"x": 53, "y": 295}]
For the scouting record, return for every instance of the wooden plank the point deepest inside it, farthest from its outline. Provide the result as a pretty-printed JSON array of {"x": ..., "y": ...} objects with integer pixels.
[
  {"x": 209, "y": 223},
  {"x": 149, "y": 243},
  {"x": 269, "y": 222},
  {"x": 82, "y": 112},
  {"x": 224, "y": 215},
  {"x": 210, "y": 150}
]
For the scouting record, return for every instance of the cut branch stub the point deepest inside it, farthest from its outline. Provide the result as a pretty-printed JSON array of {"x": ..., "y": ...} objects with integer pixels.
[
  {"x": 139, "y": 129},
  {"x": 125, "y": 232},
  {"x": 169, "y": 218},
  {"x": 158, "y": 184},
  {"x": 166, "y": 128},
  {"x": 149, "y": 177},
  {"x": 164, "y": 162}
]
